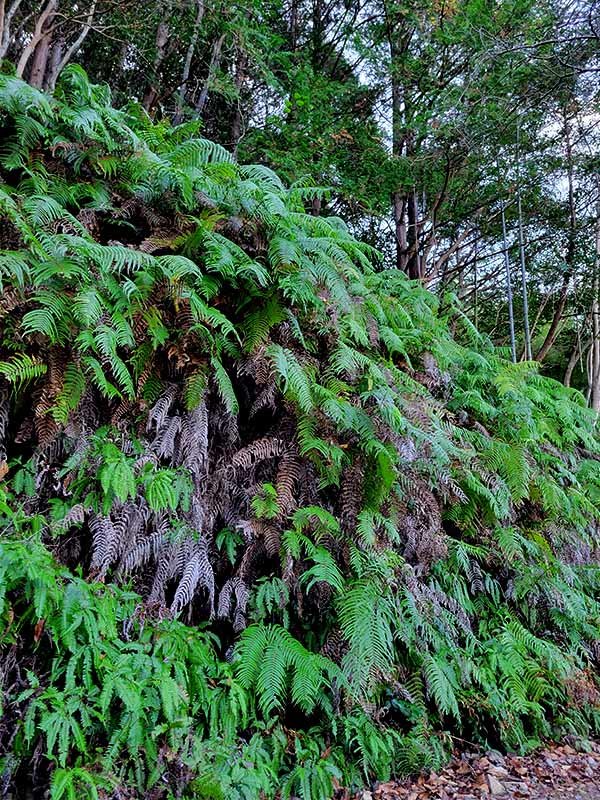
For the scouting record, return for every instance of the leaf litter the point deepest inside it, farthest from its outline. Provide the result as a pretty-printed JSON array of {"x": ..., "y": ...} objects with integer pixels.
[{"x": 555, "y": 772}]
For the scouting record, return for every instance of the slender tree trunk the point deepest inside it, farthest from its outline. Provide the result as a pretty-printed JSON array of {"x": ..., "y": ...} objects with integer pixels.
[
  {"x": 526, "y": 333},
  {"x": 185, "y": 75},
  {"x": 413, "y": 264},
  {"x": 399, "y": 203},
  {"x": 554, "y": 328},
  {"x": 576, "y": 355},
  {"x": 594, "y": 355},
  {"x": 54, "y": 67},
  {"x": 73, "y": 48},
  {"x": 317, "y": 33},
  {"x": 2, "y": 20},
  {"x": 441, "y": 262},
  {"x": 404, "y": 205},
  {"x": 162, "y": 39},
  {"x": 39, "y": 33},
  {"x": 294, "y": 26},
  {"x": 538, "y": 314},
  {"x": 215, "y": 60},
  {"x": 240, "y": 77},
  {"x": 399, "y": 200},
  {"x": 569, "y": 256},
  {"x": 6, "y": 17},
  {"x": 476, "y": 285},
  {"x": 578, "y": 351},
  {"x": 509, "y": 292},
  {"x": 51, "y": 57},
  {"x": 41, "y": 57}
]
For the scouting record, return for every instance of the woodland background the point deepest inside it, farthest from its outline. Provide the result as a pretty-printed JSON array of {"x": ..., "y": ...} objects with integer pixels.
[{"x": 434, "y": 124}]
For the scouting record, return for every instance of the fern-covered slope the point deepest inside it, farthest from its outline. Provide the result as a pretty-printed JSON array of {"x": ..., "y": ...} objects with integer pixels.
[{"x": 329, "y": 529}]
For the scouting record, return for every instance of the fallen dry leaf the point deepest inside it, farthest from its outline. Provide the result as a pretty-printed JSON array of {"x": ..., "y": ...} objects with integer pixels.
[
  {"x": 38, "y": 630},
  {"x": 557, "y": 772}
]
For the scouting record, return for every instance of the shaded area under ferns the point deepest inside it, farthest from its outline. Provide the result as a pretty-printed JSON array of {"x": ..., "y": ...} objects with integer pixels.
[{"x": 304, "y": 530}]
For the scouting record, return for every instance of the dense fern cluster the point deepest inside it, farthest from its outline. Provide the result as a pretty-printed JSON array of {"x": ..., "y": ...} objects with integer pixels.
[{"x": 328, "y": 530}]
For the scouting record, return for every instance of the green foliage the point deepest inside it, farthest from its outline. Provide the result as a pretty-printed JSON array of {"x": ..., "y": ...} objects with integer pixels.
[
  {"x": 347, "y": 532},
  {"x": 313, "y": 776},
  {"x": 21, "y": 369},
  {"x": 272, "y": 661}
]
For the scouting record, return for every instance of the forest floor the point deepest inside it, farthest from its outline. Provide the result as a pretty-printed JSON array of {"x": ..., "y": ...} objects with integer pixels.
[{"x": 557, "y": 772}]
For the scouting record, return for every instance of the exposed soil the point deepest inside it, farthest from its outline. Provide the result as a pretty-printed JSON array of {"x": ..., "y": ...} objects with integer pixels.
[{"x": 557, "y": 772}]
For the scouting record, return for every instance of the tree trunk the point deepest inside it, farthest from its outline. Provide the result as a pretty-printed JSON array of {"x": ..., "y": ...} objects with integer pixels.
[
  {"x": 6, "y": 17},
  {"x": 594, "y": 355},
  {"x": 2, "y": 20},
  {"x": 578, "y": 351},
  {"x": 526, "y": 332},
  {"x": 215, "y": 60},
  {"x": 185, "y": 75},
  {"x": 317, "y": 33},
  {"x": 399, "y": 200},
  {"x": 413, "y": 262},
  {"x": 476, "y": 288},
  {"x": 39, "y": 66},
  {"x": 238, "y": 121},
  {"x": 509, "y": 292},
  {"x": 399, "y": 203},
  {"x": 64, "y": 58},
  {"x": 569, "y": 255},
  {"x": 39, "y": 33},
  {"x": 162, "y": 38},
  {"x": 53, "y": 70},
  {"x": 404, "y": 205},
  {"x": 576, "y": 355},
  {"x": 294, "y": 26}
]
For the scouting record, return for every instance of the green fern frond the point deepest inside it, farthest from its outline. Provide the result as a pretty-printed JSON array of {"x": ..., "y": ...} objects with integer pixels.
[
  {"x": 225, "y": 386},
  {"x": 21, "y": 369}
]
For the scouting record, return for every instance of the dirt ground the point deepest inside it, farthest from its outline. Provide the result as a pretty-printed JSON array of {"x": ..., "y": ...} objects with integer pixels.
[{"x": 557, "y": 772}]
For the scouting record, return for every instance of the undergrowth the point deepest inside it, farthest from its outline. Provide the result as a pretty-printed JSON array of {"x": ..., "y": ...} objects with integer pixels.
[{"x": 268, "y": 527}]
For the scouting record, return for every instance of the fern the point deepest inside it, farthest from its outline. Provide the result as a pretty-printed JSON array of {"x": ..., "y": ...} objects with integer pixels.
[
  {"x": 244, "y": 415},
  {"x": 271, "y": 660},
  {"x": 367, "y": 617},
  {"x": 296, "y": 382},
  {"x": 21, "y": 369},
  {"x": 225, "y": 387}
]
